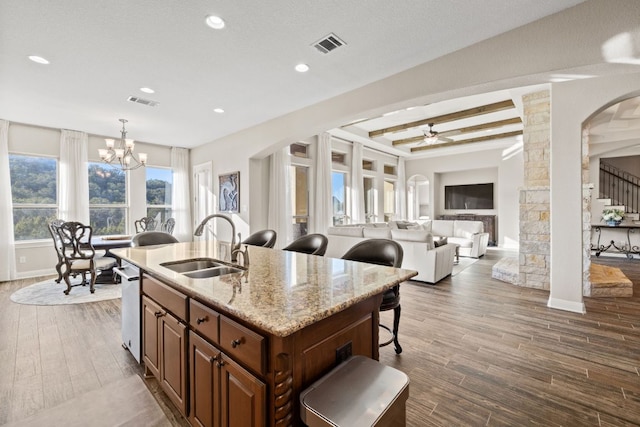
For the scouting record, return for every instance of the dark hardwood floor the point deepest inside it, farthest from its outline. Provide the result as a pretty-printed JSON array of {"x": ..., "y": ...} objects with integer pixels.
[{"x": 478, "y": 352}]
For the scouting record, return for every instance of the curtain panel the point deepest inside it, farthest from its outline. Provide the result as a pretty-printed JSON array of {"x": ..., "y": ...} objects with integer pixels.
[
  {"x": 323, "y": 207},
  {"x": 280, "y": 209},
  {"x": 180, "y": 199},
  {"x": 74, "y": 177},
  {"x": 7, "y": 244}
]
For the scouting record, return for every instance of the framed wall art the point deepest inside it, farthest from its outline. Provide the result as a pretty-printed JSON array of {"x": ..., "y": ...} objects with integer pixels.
[{"x": 229, "y": 192}]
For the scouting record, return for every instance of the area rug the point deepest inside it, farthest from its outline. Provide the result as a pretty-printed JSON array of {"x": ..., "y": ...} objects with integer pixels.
[
  {"x": 462, "y": 264},
  {"x": 51, "y": 293},
  {"x": 126, "y": 402}
]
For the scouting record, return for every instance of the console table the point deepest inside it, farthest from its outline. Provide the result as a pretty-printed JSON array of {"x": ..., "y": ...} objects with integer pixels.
[
  {"x": 626, "y": 248},
  {"x": 489, "y": 222}
]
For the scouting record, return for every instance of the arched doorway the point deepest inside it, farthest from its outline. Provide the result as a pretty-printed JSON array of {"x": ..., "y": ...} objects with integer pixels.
[{"x": 418, "y": 200}]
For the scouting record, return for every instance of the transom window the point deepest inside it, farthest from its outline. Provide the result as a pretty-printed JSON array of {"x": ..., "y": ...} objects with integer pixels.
[{"x": 34, "y": 193}]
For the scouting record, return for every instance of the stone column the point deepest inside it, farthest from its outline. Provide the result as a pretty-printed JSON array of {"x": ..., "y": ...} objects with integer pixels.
[{"x": 534, "y": 260}]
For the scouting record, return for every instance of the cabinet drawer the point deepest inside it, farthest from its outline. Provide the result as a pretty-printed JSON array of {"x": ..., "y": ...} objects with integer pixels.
[
  {"x": 166, "y": 296},
  {"x": 204, "y": 320},
  {"x": 243, "y": 344}
]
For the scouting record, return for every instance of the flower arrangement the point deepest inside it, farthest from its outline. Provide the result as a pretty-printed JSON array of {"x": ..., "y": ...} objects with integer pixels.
[{"x": 612, "y": 214}]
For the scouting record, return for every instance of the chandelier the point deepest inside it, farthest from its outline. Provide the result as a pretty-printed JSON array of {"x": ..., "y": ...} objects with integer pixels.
[{"x": 119, "y": 153}]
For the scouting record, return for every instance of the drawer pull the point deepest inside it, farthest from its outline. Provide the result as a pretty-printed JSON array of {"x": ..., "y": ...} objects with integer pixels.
[
  {"x": 159, "y": 314},
  {"x": 201, "y": 319},
  {"x": 236, "y": 342}
]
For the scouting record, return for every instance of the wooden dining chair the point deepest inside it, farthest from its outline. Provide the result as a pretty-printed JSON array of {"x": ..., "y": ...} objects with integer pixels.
[
  {"x": 146, "y": 223},
  {"x": 80, "y": 256},
  {"x": 57, "y": 244}
]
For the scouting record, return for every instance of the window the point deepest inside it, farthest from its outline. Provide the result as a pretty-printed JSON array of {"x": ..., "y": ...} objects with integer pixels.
[
  {"x": 339, "y": 158},
  {"x": 389, "y": 170},
  {"x": 34, "y": 192},
  {"x": 300, "y": 199},
  {"x": 299, "y": 150},
  {"x": 159, "y": 182},
  {"x": 368, "y": 165},
  {"x": 339, "y": 197},
  {"x": 370, "y": 199},
  {"x": 107, "y": 199},
  {"x": 389, "y": 200}
]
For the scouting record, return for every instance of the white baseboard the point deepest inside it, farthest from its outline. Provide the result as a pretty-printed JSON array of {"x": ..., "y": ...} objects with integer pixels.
[
  {"x": 35, "y": 273},
  {"x": 560, "y": 304}
]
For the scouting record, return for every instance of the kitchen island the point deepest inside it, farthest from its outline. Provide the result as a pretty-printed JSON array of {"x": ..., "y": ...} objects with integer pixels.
[{"x": 237, "y": 349}]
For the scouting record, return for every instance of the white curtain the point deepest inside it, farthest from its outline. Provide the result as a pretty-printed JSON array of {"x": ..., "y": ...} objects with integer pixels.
[
  {"x": 7, "y": 245},
  {"x": 180, "y": 194},
  {"x": 323, "y": 207},
  {"x": 74, "y": 177},
  {"x": 280, "y": 209},
  {"x": 357, "y": 185},
  {"x": 401, "y": 191}
]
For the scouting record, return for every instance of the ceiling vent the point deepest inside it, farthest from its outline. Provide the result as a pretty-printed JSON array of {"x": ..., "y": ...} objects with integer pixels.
[
  {"x": 328, "y": 43},
  {"x": 143, "y": 101}
]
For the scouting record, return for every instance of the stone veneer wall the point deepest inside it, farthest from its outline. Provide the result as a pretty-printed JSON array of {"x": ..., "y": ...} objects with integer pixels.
[{"x": 534, "y": 252}]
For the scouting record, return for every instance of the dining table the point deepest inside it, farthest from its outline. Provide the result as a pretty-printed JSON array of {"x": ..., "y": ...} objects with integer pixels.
[{"x": 107, "y": 243}]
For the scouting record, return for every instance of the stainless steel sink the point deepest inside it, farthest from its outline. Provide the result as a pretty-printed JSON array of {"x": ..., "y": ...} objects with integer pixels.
[
  {"x": 187, "y": 265},
  {"x": 212, "y": 272}
]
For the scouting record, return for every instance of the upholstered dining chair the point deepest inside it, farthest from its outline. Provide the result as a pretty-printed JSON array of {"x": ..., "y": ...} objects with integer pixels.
[
  {"x": 57, "y": 244},
  {"x": 148, "y": 238},
  {"x": 312, "y": 244},
  {"x": 389, "y": 253},
  {"x": 79, "y": 254},
  {"x": 146, "y": 223},
  {"x": 168, "y": 226},
  {"x": 264, "y": 238}
]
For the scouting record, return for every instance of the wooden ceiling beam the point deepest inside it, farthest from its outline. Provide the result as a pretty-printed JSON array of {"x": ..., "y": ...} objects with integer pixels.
[
  {"x": 471, "y": 112},
  {"x": 466, "y": 141},
  {"x": 468, "y": 129}
]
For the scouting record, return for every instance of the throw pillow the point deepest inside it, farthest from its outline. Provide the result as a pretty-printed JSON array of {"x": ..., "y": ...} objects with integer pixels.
[
  {"x": 414, "y": 227},
  {"x": 443, "y": 241}
]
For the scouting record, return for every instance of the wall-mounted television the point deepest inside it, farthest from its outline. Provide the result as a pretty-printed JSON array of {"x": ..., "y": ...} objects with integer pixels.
[{"x": 470, "y": 196}]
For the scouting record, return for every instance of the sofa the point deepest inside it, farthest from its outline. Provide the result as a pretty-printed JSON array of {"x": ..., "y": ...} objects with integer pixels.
[
  {"x": 420, "y": 254},
  {"x": 469, "y": 235}
]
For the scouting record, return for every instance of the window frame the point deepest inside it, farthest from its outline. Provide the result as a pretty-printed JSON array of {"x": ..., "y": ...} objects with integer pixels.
[
  {"x": 55, "y": 206},
  {"x": 167, "y": 208},
  {"x": 126, "y": 206}
]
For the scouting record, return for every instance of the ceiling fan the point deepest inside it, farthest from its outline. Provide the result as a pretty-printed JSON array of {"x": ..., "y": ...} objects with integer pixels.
[{"x": 431, "y": 137}]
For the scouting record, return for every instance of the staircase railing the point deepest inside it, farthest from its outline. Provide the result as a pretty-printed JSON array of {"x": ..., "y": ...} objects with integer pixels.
[{"x": 620, "y": 186}]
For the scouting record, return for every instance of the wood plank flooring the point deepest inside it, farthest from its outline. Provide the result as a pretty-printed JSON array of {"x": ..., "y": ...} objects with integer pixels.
[{"x": 478, "y": 352}]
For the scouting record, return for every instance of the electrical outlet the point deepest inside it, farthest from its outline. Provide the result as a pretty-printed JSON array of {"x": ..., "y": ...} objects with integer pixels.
[
  {"x": 22, "y": 260},
  {"x": 343, "y": 352}
]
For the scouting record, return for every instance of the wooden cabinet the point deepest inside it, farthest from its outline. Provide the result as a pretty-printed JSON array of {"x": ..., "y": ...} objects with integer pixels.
[
  {"x": 222, "y": 392},
  {"x": 164, "y": 339}
]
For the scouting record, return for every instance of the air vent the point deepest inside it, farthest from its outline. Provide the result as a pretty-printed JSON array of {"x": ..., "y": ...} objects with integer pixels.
[
  {"x": 143, "y": 101},
  {"x": 328, "y": 43}
]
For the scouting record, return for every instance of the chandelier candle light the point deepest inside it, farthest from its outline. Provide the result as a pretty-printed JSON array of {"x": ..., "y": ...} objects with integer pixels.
[{"x": 119, "y": 153}]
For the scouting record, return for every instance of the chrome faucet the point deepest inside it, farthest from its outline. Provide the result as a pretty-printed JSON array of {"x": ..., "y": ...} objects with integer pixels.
[
  {"x": 244, "y": 253},
  {"x": 234, "y": 246}
]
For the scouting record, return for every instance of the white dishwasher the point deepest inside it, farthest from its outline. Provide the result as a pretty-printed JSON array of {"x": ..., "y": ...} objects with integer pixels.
[{"x": 130, "y": 311}]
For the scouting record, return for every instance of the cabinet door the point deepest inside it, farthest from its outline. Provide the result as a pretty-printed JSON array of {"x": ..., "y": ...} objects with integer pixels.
[
  {"x": 173, "y": 348},
  {"x": 150, "y": 348},
  {"x": 243, "y": 396},
  {"x": 205, "y": 383}
]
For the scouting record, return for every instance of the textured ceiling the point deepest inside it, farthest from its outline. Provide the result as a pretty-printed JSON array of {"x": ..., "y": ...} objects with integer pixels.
[{"x": 103, "y": 52}]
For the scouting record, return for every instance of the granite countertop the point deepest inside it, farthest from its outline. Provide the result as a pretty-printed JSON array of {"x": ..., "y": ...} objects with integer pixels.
[{"x": 281, "y": 292}]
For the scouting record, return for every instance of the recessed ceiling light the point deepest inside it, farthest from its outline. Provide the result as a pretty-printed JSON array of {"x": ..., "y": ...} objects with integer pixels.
[
  {"x": 218, "y": 110},
  {"x": 302, "y": 68},
  {"x": 147, "y": 90},
  {"x": 38, "y": 59},
  {"x": 215, "y": 22}
]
